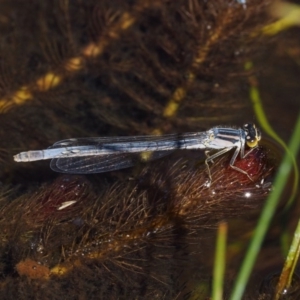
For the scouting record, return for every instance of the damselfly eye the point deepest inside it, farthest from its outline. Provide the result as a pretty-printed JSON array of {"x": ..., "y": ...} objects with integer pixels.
[{"x": 253, "y": 135}]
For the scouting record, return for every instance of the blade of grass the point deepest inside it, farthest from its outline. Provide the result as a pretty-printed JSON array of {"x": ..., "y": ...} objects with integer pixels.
[
  {"x": 288, "y": 14},
  {"x": 286, "y": 276},
  {"x": 220, "y": 259},
  {"x": 266, "y": 215},
  {"x": 265, "y": 125}
]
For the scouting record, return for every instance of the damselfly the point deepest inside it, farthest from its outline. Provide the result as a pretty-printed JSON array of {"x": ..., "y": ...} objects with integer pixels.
[{"x": 103, "y": 154}]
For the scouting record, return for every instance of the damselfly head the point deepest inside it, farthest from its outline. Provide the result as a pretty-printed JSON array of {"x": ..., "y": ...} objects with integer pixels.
[{"x": 253, "y": 134}]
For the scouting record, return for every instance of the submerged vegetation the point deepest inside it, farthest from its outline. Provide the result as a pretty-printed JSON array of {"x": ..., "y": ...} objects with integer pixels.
[{"x": 102, "y": 68}]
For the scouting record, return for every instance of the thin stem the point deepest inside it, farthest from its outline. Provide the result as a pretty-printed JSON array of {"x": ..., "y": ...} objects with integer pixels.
[{"x": 219, "y": 268}]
